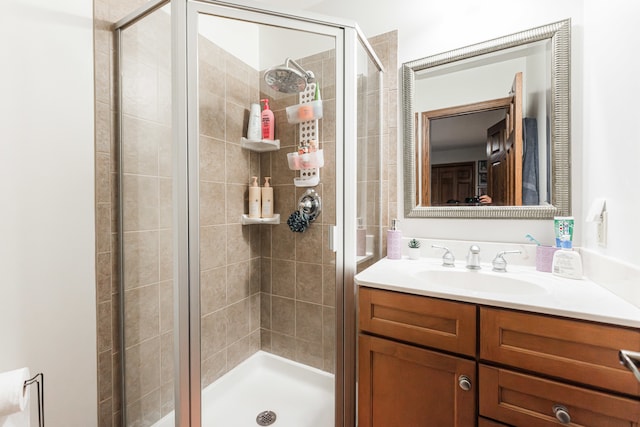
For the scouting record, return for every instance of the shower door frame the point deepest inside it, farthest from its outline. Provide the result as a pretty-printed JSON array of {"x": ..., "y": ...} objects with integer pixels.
[
  {"x": 188, "y": 411},
  {"x": 187, "y": 181}
]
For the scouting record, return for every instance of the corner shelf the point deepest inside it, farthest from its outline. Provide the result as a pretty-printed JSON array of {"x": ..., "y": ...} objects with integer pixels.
[
  {"x": 260, "y": 145},
  {"x": 246, "y": 220}
]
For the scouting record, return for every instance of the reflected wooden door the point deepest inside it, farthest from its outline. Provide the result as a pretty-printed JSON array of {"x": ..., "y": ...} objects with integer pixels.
[
  {"x": 452, "y": 181},
  {"x": 504, "y": 152}
]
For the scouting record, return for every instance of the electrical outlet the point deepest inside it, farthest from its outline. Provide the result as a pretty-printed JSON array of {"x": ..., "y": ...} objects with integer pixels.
[{"x": 602, "y": 230}]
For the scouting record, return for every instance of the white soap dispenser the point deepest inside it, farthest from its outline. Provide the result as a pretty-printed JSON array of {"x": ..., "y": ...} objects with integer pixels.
[
  {"x": 254, "y": 130},
  {"x": 254, "y": 198},
  {"x": 267, "y": 199}
]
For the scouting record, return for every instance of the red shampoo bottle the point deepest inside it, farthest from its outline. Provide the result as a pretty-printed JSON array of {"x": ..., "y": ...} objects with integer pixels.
[{"x": 268, "y": 122}]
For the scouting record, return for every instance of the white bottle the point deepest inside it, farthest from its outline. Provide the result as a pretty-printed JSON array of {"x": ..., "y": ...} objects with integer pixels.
[
  {"x": 254, "y": 198},
  {"x": 254, "y": 130},
  {"x": 567, "y": 263},
  {"x": 267, "y": 199},
  {"x": 394, "y": 241},
  {"x": 361, "y": 239}
]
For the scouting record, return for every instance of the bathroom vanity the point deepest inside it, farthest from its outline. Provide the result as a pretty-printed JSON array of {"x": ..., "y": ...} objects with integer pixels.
[{"x": 525, "y": 356}]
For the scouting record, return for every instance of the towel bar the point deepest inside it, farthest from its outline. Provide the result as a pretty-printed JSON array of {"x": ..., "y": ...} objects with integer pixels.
[{"x": 38, "y": 379}]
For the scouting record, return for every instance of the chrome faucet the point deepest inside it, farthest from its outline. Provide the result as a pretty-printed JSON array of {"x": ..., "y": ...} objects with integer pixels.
[
  {"x": 499, "y": 263},
  {"x": 473, "y": 258},
  {"x": 448, "y": 260}
]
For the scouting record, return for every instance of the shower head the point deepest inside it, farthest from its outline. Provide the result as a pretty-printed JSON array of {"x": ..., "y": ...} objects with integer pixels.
[{"x": 284, "y": 78}]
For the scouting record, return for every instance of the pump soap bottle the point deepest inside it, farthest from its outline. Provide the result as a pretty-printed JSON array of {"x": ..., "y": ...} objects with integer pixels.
[
  {"x": 254, "y": 198},
  {"x": 268, "y": 122},
  {"x": 254, "y": 131},
  {"x": 267, "y": 199},
  {"x": 394, "y": 241}
]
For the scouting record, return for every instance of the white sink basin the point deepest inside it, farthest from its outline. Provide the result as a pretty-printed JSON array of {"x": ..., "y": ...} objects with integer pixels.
[{"x": 479, "y": 281}]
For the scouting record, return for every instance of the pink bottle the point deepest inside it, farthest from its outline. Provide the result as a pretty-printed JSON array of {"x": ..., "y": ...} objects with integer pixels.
[{"x": 268, "y": 122}]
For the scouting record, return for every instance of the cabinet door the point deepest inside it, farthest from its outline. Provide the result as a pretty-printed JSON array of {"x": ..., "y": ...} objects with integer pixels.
[
  {"x": 405, "y": 386},
  {"x": 524, "y": 400}
]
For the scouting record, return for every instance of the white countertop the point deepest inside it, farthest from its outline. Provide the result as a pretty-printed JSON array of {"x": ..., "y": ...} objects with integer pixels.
[{"x": 579, "y": 299}]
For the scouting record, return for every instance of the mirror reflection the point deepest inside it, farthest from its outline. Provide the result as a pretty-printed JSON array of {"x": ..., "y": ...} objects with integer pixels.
[{"x": 487, "y": 126}]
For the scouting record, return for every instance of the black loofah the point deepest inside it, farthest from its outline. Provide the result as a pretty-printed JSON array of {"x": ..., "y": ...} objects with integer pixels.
[{"x": 298, "y": 222}]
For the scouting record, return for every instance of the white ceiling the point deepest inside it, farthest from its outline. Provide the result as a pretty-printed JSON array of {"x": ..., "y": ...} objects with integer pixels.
[
  {"x": 386, "y": 17},
  {"x": 463, "y": 131}
]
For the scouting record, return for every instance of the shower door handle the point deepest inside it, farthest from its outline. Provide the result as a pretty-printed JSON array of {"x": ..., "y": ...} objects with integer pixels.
[{"x": 332, "y": 238}]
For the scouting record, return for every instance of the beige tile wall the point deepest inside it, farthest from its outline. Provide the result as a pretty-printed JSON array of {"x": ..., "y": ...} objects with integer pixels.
[
  {"x": 386, "y": 47},
  {"x": 298, "y": 271},
  {"x": 229, "y": 252}
]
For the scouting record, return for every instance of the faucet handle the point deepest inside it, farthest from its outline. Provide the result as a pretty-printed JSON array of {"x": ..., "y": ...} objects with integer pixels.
[
  {"x": 448, "y": 260},
  {"x": 473, "y": 258},
  {"x": 499, "y": 263}
]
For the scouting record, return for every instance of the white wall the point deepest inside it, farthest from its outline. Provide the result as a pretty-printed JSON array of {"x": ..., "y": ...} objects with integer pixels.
[
  {"x": 611, "y": 153},
  {"x": 47, "y": 250}
]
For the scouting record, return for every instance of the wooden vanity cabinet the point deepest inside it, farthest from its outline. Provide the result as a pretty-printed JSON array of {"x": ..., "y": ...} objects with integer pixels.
[
  {"x": 533, "y": 370},
  {"x": 401, "y": 382}
]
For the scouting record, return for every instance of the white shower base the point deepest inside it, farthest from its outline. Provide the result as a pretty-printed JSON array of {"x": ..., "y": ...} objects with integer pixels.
[{"x": 300, "y": 396}]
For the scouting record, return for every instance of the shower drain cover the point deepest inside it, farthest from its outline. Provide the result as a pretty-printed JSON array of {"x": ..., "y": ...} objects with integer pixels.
[{"x": 266, "y": 418}]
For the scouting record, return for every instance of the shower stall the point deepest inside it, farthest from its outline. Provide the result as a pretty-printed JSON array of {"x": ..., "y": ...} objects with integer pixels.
[{"x": 228, "y": 319}]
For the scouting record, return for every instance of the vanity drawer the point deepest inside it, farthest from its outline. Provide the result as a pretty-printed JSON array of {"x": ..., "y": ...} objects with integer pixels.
[
  {"x": 523, "y": 400},
  {"x": 579, "y": 351},
  {"x": 431, "y": 322}
]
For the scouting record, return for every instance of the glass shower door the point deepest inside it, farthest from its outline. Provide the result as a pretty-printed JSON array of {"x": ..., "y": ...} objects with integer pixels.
[
  {"x": 146, "y": 219},
  {"x": 230, "y": 320},
  {"x": 370, "y": 191},
  {"x": 267, "y": 295}
]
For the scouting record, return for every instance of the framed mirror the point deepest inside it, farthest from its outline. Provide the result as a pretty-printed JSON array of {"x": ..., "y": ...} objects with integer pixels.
[{"x": 490, "y": 119}]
